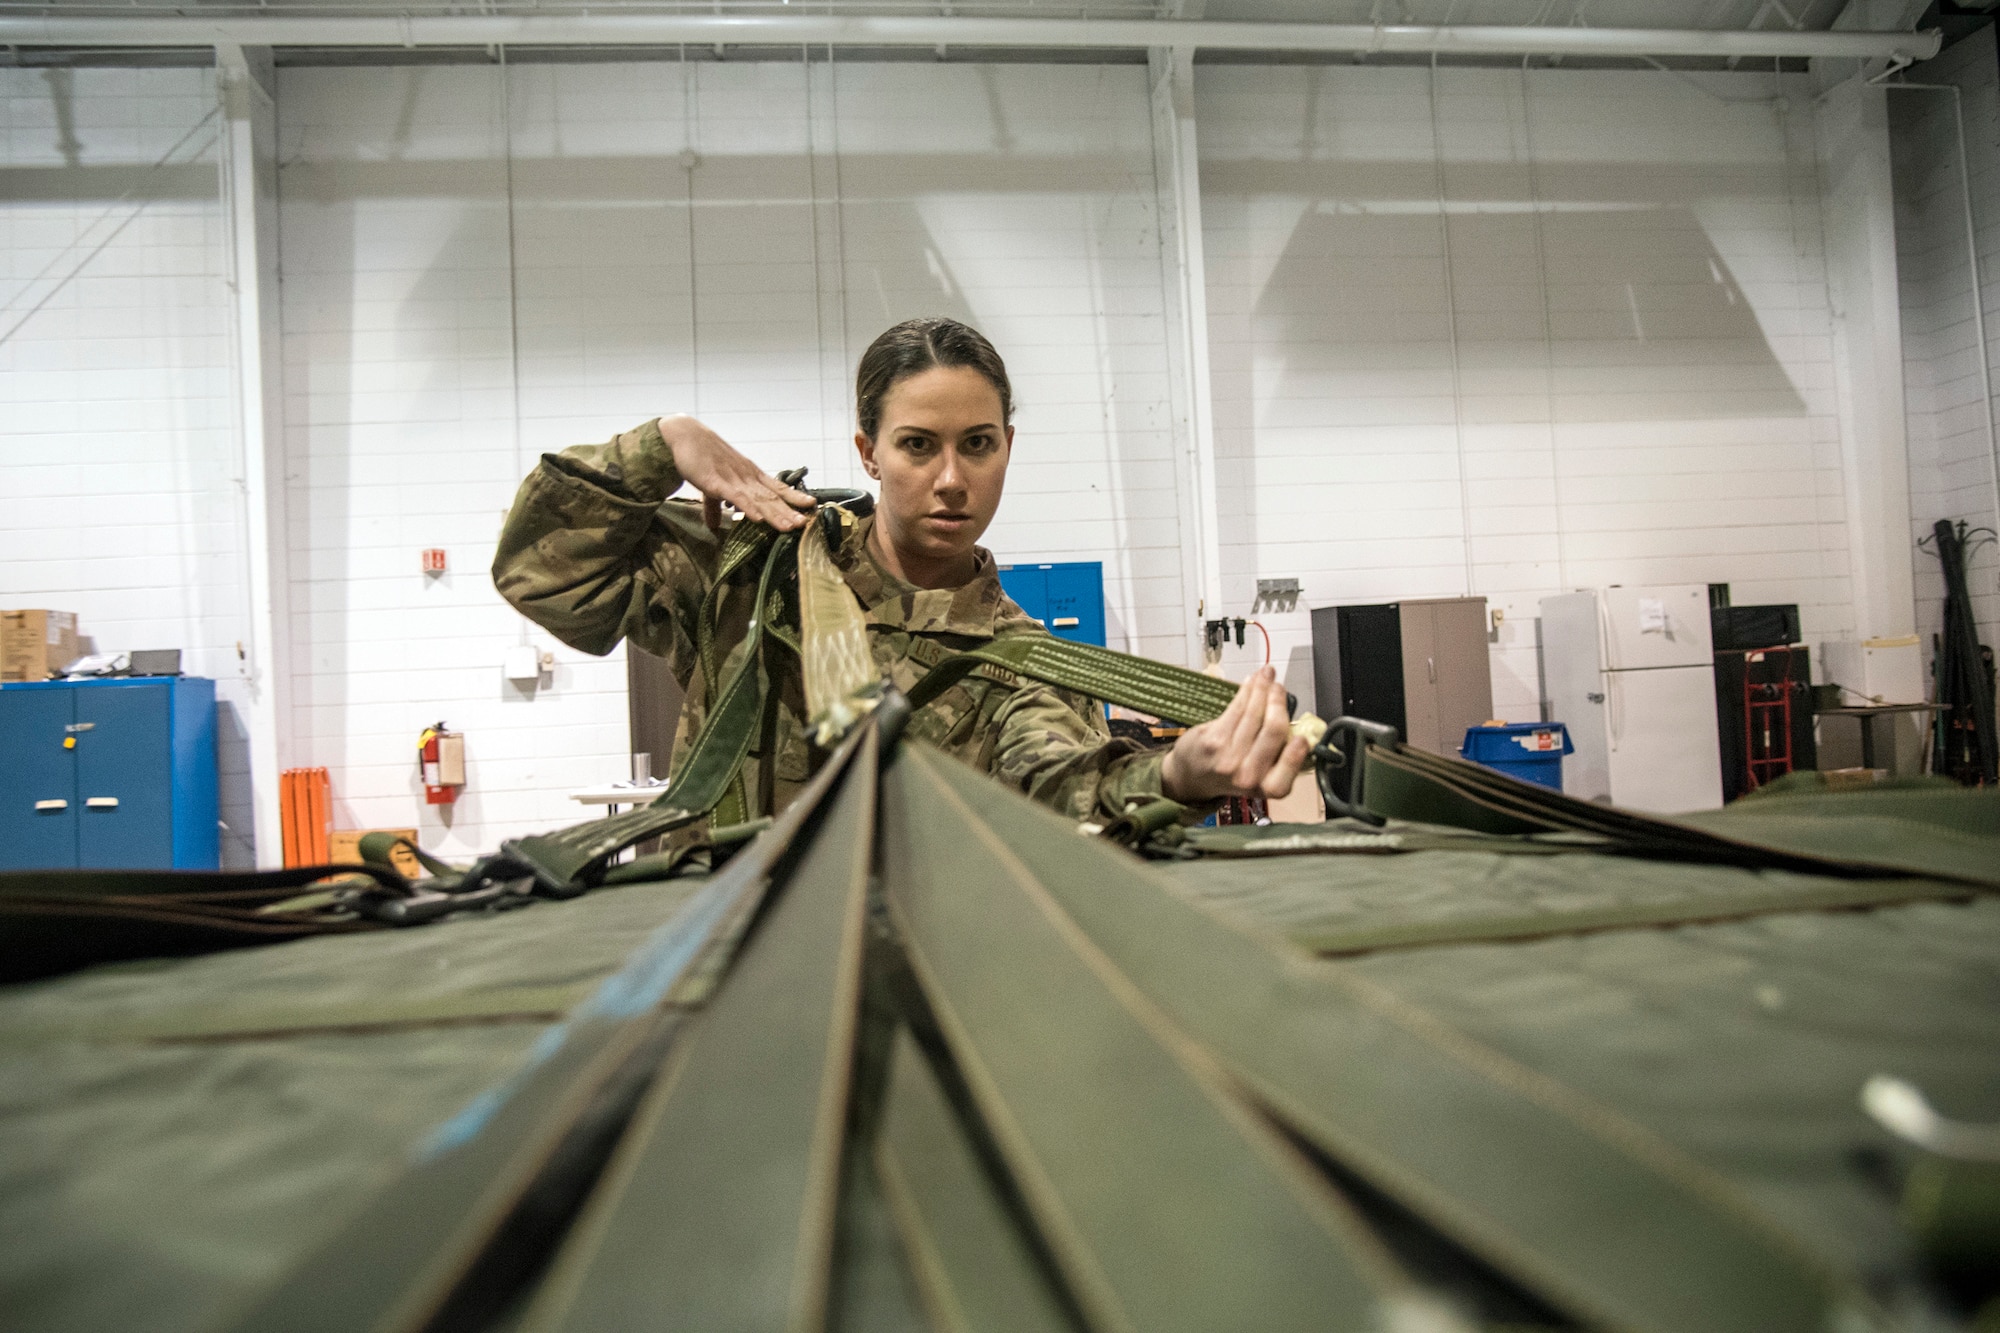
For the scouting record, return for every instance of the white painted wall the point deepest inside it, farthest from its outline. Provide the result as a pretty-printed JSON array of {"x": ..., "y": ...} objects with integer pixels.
[
  {"x": 1619, "y": 372},
  {"x": 721, "y": 239},
  {"x": 1620, "y": 369},
  {"x": 119, "y": 446},
  {"x": 1951, "y": 466}
]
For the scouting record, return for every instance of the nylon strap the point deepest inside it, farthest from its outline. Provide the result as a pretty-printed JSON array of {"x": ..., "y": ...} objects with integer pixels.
[
  {"x": 1169, "y": 692},
  {"x": 1608, "y": 1224},
  {"x": 1830, "y": 897},
  {"x": 1945, "y": 834},
  {"x": 842, "y": 683},
  {"x": 720, "y": 1204},
  {"x": 967, "y": 1254},
  {"x": 416, "y": 1250},
  {"x": 1166, "y": 1201},
  {"x": 55, "y": 921}
]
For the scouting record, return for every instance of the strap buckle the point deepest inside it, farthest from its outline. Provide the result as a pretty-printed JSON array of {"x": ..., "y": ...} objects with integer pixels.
[{"x": 1340, "y": 761}]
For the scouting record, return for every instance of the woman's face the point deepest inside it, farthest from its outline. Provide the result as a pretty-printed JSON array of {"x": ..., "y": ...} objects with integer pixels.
[{"x": 941, "y": 457}]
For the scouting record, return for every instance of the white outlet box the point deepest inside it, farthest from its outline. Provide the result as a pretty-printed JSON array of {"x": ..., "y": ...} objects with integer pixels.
[{"x": 522, "y": 665}]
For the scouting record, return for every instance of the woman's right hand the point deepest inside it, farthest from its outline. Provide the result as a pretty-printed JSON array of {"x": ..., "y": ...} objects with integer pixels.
[
  {"x": 708, "y": 463},
  {"x": 1248, "y": 751}
]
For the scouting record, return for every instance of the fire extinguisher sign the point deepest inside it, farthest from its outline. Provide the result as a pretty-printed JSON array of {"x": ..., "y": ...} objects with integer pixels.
[{"x": 441, "y": 757}]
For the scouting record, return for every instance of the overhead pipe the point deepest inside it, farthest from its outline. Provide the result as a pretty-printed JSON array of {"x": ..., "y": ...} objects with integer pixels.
[{"x": 615, "y": 29}]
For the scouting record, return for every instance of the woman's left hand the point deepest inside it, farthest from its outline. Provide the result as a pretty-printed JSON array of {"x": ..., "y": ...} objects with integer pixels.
[{"x": 1248, "y": 751}]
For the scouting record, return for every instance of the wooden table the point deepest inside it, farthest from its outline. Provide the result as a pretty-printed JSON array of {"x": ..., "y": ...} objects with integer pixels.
[{"x": 1865, "y": 717}]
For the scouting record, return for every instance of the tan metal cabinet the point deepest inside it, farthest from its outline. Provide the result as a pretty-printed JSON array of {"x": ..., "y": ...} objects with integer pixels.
[{"x": 1419, "y": 666}]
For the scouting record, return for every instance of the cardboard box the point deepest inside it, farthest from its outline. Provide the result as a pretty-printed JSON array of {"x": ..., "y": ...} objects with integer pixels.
[
  {"x": 343, "y": 847},
  {"x": 35, "y": 645}
]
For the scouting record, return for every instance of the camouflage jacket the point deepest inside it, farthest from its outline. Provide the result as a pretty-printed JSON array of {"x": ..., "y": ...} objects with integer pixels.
[{"x": 594, "y": 552}]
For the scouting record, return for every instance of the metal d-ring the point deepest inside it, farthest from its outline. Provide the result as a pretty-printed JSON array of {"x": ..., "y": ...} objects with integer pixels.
[{"x": 1340, "y": 764}]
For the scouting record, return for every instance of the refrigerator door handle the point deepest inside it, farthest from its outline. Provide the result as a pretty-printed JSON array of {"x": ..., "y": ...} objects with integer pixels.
[{"x": 1615, "y": 718}]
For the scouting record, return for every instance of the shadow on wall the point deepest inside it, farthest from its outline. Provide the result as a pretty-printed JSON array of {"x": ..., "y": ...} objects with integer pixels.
[
  {"x": 1621, "y": 311},
  {"x": 232, "y": 762},
  {"x": 1643, "y": 310}
]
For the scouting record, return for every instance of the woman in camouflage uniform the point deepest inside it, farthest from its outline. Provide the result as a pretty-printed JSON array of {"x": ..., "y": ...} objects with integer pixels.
[{"x": 594, "y": 551}]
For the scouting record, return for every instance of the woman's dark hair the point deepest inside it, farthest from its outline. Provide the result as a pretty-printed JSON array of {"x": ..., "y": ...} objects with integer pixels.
[{"x": 915, "y": 346}]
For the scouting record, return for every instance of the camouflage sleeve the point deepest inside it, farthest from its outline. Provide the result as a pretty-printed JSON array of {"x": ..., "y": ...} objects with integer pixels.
[
  {"x": 589, "y": 553},
  {"x": 1054, "y": 746}
]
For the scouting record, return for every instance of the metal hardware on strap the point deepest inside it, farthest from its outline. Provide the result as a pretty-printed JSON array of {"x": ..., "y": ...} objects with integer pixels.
[{"x": 1340, "y": 759}]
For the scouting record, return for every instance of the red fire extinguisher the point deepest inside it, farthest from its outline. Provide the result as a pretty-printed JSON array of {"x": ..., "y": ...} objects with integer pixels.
[{"x": 442, "y": 756}]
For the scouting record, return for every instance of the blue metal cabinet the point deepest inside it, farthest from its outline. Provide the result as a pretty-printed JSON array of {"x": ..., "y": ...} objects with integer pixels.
[
  {"x": 38, "y": 813},
  {"x": 109, "y": 775},
  {"x": 1068, "y": 598}
]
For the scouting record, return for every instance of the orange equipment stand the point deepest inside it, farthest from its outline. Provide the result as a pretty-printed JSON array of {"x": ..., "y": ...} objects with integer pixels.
[{"x": 306, "y": 799}]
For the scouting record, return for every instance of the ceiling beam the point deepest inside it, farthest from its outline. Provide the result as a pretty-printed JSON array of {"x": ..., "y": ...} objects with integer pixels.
[{"x": 615, "y": 29}]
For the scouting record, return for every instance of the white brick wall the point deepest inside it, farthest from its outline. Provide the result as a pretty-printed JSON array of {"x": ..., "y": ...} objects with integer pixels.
[
  {"x": 826, "y": 204},
  {"x": 1950, "y": 463},
  {"x": 119, "y": 441},
  {"x": 1626, "y": 376},
  {"x": 1643, "y": 385}
]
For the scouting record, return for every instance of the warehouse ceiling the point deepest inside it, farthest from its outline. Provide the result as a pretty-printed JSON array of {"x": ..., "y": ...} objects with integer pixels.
[
  {"x": 1773, "y": 17},
  {"x": 1720, "y": 15}
]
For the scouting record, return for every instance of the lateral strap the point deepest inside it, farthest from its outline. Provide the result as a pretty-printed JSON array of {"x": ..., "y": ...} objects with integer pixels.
[
  {"x": 1606, "y": 1226},
  {"x": 842, "y": 690},
  {"x": 563, "y": 862},
  {"x": 1170, "y": 692},
  {"x": 1837, "y": 895},
  {"x": 1365, "y": 774}
]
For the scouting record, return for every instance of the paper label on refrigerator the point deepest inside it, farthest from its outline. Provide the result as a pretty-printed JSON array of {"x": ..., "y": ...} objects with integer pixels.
[{"x": 1652, "y": 615}]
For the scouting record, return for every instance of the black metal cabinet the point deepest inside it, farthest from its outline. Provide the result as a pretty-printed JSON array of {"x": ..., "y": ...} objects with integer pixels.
[{"x": 1420, "y": 666}]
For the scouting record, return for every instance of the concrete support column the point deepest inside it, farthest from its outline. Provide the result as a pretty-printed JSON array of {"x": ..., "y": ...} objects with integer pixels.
[
  {"x": 249, "y": 149},
  {"x": 1184, "y": 274},
  {"x": 1859, "y": 204}
]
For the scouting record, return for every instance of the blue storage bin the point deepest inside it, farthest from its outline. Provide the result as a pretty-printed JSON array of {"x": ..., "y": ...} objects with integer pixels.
[{"x": 1529, "y": 751}]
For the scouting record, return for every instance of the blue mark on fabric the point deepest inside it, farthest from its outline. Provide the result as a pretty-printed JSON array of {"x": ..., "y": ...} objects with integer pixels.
[{"x": 638, "y": 986}]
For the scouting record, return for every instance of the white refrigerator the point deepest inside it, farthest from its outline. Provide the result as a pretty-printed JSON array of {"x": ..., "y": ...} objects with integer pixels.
[{"x": 1631, "y": 672}]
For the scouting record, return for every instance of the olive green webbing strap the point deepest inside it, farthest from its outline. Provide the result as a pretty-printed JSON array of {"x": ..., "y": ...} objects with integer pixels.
[
  {"x": 56, "y": 921},
  {"x": 443, "y": 1240},
  {"x": 1827, "y": 896},
  {"x": 1166, "y": 1201},
  {"x": 841, "y": 681},
  {"x": 717, "y": 1211},
  {"x": 1946, "y": 834},
  {"x": 968, "y": 1255},
  {"x": 709, "y": 778},
  {"x": 1907, "y": 836},
  {"x": 1608, "y": 1225},
  {"x": 1457, "y": 792},
  {"x": 1155, "y": 688}
]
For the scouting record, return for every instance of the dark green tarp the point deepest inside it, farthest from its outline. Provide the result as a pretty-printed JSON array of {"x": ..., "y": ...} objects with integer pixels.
[
  {"x": 1744, "y": 1042},
  {"x": 176, "y": 1135}
]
